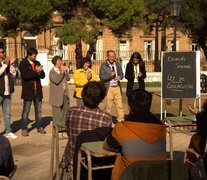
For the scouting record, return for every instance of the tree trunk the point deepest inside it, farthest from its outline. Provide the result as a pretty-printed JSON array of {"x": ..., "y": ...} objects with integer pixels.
[
  {"x": 91, "y": 50},
  {"x": 78, "y": 53},
  {"x": 163, "y": 40},
  {"x": 202, "y": 43}
]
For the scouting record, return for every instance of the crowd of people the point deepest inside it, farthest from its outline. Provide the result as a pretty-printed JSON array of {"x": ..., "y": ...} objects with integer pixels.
[{"x": 136, "y": 136}]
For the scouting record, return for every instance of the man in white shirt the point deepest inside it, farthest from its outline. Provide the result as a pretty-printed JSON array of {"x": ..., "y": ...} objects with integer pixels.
[{"x": 7, "y": 72}]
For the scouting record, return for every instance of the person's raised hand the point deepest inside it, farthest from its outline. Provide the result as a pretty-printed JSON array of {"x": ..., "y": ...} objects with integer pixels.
[
  {"x": 39, "y": 68},
  {"x": 12, "y": 59},
  {"x": 118, "y": 78},
  {"x": 6, "y": 61},
  {"x": 193, "y": 110}
]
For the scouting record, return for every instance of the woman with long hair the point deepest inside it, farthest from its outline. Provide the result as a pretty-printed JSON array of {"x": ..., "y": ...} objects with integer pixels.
[{"x": 135, "y": 73}]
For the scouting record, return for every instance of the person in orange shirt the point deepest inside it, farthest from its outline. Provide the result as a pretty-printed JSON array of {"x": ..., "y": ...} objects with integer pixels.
[{"x": 31, "y": 72}]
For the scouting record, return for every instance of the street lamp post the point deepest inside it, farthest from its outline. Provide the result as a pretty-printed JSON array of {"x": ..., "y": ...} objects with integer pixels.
[{"x": 174, "y": 12}]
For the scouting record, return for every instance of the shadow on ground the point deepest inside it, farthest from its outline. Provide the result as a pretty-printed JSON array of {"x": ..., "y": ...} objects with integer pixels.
[{"x": 16, "y": 125}]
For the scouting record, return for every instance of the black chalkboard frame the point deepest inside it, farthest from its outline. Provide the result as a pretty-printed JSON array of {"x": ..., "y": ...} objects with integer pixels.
[{"x": 180, "y": 71}]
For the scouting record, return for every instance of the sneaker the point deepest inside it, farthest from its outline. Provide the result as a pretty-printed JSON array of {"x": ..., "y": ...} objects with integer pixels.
[
  {"x": 10, "y": 135},
  {"x": 41, "y": 130},
  {"x": 24, "y": 132}
]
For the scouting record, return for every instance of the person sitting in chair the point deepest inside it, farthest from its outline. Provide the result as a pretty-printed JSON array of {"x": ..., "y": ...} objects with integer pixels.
[
  {"x": 198, "y": 140},
  {"x": 6, "y": 157},
  {"x": 140, "y": 137},
  {"x": 87, "y": 117}
]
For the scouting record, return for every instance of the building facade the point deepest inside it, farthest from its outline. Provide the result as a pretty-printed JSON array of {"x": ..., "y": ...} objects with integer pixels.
[{"x": 124, "y": 46}]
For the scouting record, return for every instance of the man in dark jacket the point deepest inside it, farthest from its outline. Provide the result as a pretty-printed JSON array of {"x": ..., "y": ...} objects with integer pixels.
[
  {"x": 7, "y": 72},
  {"x": 31, "y": 72}
]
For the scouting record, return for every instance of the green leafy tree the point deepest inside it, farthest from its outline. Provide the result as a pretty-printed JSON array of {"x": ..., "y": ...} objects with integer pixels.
[
  {"x": 193, "y": 20},
  {"x": 157, "y": 17},
  {"x": 80, "y": 25},
  {"x": 119, "y": 16},
  {"x": 28, "y": 15}
]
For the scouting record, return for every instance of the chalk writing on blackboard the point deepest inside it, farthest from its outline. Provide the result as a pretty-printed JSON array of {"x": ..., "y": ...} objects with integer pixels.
[{"x": 179, "y": 75}]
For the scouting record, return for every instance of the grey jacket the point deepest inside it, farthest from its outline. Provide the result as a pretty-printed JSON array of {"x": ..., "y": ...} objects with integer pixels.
[
  {"x": 56, "y": 87},
  {"x": 105, "y": 73}
]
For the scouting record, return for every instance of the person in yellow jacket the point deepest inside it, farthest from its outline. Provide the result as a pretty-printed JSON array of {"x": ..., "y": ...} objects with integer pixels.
[{"x": 81, "y": 77}]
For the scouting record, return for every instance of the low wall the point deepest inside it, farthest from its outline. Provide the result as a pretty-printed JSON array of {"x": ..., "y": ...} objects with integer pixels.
[{"x": 151, "y": 77}]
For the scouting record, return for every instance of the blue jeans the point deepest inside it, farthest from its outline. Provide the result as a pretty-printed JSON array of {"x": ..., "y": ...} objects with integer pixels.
[
  {"x": 5, "y": 101},
  {"x": 26, "y": 109}
]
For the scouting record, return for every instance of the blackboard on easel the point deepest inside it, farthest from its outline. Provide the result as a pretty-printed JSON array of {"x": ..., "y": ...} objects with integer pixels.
[{"x": 180, "y": 75}]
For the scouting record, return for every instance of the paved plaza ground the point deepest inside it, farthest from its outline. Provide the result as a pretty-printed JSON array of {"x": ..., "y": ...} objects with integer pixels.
[{"x": 32, "y": 154}]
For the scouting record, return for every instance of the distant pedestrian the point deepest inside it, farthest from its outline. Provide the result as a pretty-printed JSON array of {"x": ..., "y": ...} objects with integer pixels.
[
  {"x": 135, "y": 73},
  {"x": 111, "y": 74},
  {"x": 7, "y": 73},
  {"x": 59, "y": 93},
  {"x": 31, "y": 73},
  {"x": 81, "y": 77}
]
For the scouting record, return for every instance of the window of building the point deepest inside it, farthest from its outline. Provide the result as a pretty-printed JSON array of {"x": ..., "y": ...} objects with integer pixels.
[
  {"x": 30, "y": 41},
  {"x": 3, "y": 43},
  {"x": 148, "y": 50},
  {"x": 170, "y": 45},
  {"x": 59, "y": 49},
  {"x": 124, "y": 49},
  {"x": 195, "y": 47},
  {"x": 98, "y": 54}
]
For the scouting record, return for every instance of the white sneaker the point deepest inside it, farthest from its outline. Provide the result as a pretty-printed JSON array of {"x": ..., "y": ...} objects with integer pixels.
[{"x": 10, "y": 135}]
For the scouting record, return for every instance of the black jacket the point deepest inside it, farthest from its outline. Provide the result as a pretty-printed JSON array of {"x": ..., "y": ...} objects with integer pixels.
[
  {"x": 129, "y": 75},
  {"x": 28, "y": 77},
  {"x": 2, "y": 83},
  {"x": 201, "y": 120},
  {"x": 6, "y": 157}
]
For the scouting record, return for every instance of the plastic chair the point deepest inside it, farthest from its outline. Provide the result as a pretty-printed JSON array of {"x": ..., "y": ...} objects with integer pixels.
[
  {"x": 156, "y": 170},
  {"x": 55, "y": 150}
]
